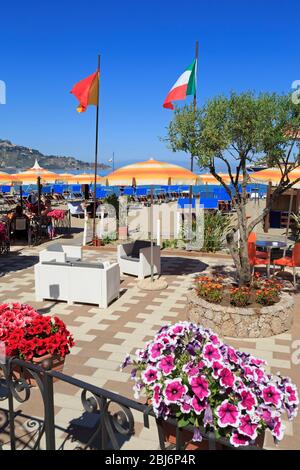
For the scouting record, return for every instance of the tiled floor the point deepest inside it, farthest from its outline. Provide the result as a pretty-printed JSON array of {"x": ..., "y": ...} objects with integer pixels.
[{"x": 103, "y": 337}]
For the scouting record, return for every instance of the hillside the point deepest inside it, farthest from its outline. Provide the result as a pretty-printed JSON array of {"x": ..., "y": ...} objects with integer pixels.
[{"x": 15, "y": 157}]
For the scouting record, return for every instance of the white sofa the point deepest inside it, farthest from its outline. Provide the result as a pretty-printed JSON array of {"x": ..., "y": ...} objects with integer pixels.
[
  {"x": 94, "y": 283},
  {"x": 61, "y": 253},
  {"x": 135, "y": 258}
]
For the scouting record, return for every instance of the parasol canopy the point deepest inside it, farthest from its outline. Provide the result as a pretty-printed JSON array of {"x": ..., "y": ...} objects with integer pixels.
[
  {"x": 273, "y": 175},
  {"x": 4, "y": 177},
  {"x": 208, "y": 178},
  {"x": 151, "y": 172},
  {"x": 84, "y": 178},
  {"x": 30, "y": 176}
]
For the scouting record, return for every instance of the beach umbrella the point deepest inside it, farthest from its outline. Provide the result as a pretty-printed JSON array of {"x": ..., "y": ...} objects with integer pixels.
[
  {"x": 4, "y": 177},
  {"x": 65, "y": 177},
  {"x": 84, "y": 178},
  {"x": 273, "y": 175},
  {"x": 30, "y": 176},
  {"x": 151, "y": 172},
  {"x": 209, "y": 179}
]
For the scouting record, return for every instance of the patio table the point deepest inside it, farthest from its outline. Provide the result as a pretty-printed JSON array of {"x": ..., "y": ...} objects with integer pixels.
[{"x": 269, "y": 245}]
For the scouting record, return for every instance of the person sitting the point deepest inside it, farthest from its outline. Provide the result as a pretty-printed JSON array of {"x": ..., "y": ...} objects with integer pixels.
[
  {"x": 46, "y": 206},
  {"x": 19, "y": 224}
]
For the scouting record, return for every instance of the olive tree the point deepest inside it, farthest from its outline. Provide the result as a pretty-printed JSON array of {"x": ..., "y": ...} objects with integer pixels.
[{"x": 239, "y": 131}]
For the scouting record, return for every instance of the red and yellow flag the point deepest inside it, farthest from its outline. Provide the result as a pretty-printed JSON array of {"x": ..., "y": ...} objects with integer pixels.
[{"x": 86, "y": 91}]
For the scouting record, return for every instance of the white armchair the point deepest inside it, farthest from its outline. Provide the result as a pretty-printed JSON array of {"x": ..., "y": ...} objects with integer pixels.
[
  {"x": 135, "y": 258},
  {"x": 61, "y": 253}
]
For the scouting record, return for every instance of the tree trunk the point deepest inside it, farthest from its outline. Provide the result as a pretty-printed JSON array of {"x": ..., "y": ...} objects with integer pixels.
[{"x": 239, "y": 252}]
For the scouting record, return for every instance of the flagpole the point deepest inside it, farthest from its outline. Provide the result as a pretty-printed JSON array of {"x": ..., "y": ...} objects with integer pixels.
[
  {"x": 96, "y": 153},
  {"x": 195, "y": 97},
  {"x": 192, "y": 156}
]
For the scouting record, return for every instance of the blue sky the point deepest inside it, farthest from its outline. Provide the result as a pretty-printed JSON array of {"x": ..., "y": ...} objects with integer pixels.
[{"x": 48, "y": 46}]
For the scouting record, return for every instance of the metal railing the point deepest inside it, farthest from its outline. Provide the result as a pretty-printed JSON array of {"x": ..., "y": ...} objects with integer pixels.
[{"x": 115, "y": 420}]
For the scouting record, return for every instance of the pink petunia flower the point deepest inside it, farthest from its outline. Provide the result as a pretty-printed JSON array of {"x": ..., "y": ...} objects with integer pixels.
[
  {"x": 174, "y": 391},
  {"x": 199, "y": 386},
  {"x": 198, "y": 405},
  {"x": 151, "y": 375},
  {"x": 237, "y": 440},
  {"x": 272, "y": 395},
  {"x": 278, "y": 429},
  {"x": 156, "y": 399},
  {"x": 156, "y": 350},
  {"x": 226, "y": 377},
  {"x": 216, "y": 366},
  {"x": 185, "y": 405},
  {"x": 211, "y": 353},
  {"x": 292, "y": 394},
  {"x": 166, "y": 364},
  {"x": 248, "y": 400},
  {"x": 228, "y": 414},
  {"x": 232, "y": 355},
  {"x": 247, "y": 427}
]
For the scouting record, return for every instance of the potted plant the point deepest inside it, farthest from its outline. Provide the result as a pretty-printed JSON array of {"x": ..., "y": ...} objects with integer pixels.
[
  {"x": 33, "y": 337},
  {"x": 186, "y": 372}
]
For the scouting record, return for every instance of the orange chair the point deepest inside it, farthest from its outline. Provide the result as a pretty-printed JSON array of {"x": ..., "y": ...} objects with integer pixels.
[
  {"x": 258, "y": 254},
  {"x": 290, "y": 261},
  {"x": 255, "y": 261}
]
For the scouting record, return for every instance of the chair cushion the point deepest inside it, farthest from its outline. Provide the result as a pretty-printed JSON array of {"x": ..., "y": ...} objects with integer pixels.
[
  {"x": 284, "y": 262},
  {"x": 260, "y": 261},
  {"x": 52, "y": 262},
  {"x": 261, "y": 254},
  {"x": 55, "y": 247},
  {"x": 137, "y": 246},
  {"x": 130, "y": 258},
  {"x": 80, "y": 264}
]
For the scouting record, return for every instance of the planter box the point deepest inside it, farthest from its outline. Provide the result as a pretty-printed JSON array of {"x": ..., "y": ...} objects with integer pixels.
[
  {"x": 242, "y": 322},
  {"x": 187, "y": 443}
]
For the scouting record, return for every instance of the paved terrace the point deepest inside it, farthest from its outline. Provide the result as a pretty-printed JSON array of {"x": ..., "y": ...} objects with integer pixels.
[{"x": 103, "y": 337}]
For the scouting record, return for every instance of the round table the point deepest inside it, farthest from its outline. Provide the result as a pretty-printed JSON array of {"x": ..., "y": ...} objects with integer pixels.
[{"x": 270, "y": 244}]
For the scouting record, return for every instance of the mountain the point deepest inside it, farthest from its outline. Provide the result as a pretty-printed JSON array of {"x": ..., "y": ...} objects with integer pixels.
[{"x": 15, "y": 157}]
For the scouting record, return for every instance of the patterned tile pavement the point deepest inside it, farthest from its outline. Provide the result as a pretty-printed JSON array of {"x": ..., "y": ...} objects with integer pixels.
[{"x": 104, "y": 336}]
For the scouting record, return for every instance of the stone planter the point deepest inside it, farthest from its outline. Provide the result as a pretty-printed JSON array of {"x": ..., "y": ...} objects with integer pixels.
[{"x": 247, "y": 322}]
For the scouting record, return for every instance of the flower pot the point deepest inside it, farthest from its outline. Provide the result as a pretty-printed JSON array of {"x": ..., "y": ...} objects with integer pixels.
[
  {"x": 43, "y": 361},
  {"x": 97, "y": 241},
  {"x": 186, "y": 438}
]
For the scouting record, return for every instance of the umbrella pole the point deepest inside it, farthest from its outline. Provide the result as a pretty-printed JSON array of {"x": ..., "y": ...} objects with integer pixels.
[
  {"x": 39, "y": 195},
  {"x": 151, "y": 234},
  {"x": 21, "y": 198},
  {"x": 289, "y": 215}
]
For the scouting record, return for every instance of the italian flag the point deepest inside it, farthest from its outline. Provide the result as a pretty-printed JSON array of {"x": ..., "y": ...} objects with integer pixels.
[{"x": 185, "y": 85}]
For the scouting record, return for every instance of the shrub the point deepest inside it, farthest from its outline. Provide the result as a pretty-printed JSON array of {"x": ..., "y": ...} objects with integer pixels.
[{"x": 215, "y": 226}]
